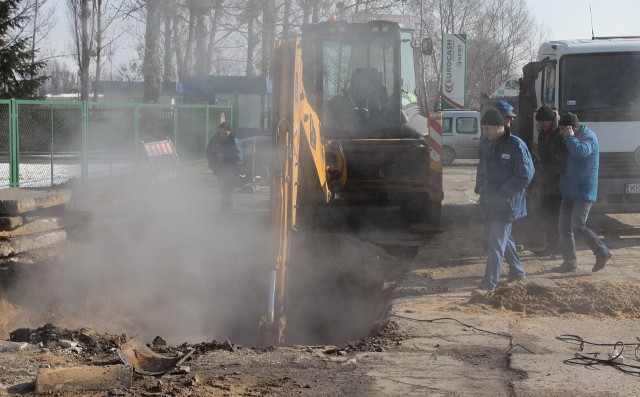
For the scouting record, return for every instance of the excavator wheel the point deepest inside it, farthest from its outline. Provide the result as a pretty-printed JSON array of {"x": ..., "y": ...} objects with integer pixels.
[
  {"x": 414, "y": 209},
  {"x": 435, "y": 210},
  {"x": 418, "y": 208}
]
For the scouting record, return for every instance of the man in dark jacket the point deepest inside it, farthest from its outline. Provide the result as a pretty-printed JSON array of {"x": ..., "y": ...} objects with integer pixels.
[
  {"x": 552, "y": 156},
  {"x": 506, "y": 111},
  {"x": 224, "y": 156},
  {"x": 504, "y": 171},
  {"x": 579, "y": 188}
]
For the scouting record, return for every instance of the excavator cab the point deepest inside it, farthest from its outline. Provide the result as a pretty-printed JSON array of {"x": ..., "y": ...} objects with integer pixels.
[
  {"x": 351, "y": 71},
  {"x": 361, "y": 81}
]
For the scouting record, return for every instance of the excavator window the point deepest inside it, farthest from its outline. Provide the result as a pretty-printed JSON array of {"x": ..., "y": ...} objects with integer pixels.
[
  {"x": 365, "y": 87},
  {"x": 359, "y": 79}
]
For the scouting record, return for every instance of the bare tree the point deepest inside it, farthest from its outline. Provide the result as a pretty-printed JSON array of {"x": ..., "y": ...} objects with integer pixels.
[
  {"x": 191, "y": 27},
  {"x": 286, "y": 18},
  {"x": 151, "y": 68},
  {"x": 499, "y": 41},
  {"x": 106, "y": 16},
  {"x": 79, "y": 17},
  {"x": 213, "y": 30},
  {"x": 169, "y": 10},
  {"x": 252, "y": 12},
  {"x": 201, "y": 9},
  {"x": 61, "y": 78},
  {"x": 268, "y": 33},
  {"x": 236, "y": 36},
  {"x": 85, "y": 56},
  {"x": 42, "y": 21}
]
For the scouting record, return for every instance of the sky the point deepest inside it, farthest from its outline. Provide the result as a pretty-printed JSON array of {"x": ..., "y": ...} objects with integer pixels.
[
  {"x": 571, "y": 19},
  {"x": 60, "y": 39},
  {"x": 564, "y": 19}
]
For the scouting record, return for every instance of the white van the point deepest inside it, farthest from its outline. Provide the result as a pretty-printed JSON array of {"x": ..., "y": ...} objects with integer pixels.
[{"x": 460, "y": 135}]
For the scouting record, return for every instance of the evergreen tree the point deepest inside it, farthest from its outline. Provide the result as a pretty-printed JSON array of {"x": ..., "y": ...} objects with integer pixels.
[{"x": 18, "y": 72}]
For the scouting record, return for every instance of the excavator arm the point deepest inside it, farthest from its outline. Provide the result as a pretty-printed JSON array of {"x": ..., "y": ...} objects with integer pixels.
[{"x": 298, "y": 153}]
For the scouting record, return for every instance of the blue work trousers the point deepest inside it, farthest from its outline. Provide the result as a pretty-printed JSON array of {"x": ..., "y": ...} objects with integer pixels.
[
  {"x": 573, "y": 219},
  {"x": 500, "y": 246}
]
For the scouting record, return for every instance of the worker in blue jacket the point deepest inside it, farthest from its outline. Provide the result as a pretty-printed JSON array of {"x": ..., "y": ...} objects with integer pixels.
[
  {"x": 579, "y": 189},
  {"x": 224, "y": 157},
  {"x": 504, "y": 171}
]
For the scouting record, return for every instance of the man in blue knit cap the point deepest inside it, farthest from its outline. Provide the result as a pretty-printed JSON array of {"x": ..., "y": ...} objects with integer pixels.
[
  {"x": 504, "y": 171},
  {"x": 506, "y": 111}
]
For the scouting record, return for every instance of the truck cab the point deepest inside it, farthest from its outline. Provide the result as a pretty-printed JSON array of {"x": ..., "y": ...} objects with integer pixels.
[{"x": 598, "y": 80}]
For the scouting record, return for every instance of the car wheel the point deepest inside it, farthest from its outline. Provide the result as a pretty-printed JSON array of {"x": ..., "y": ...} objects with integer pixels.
[{"x": 448, "y": 155}]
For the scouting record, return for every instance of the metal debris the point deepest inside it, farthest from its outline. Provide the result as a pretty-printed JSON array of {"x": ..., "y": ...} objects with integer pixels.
[{"x": 147, "y": 362}]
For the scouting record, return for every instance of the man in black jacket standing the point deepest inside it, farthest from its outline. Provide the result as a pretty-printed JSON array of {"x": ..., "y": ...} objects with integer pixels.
[
  {"x": 552, "y": 157},
  {"x": 224, "y": 156}
]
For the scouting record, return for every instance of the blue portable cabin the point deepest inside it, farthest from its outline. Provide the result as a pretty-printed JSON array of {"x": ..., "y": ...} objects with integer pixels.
[
  {"x": 249, "y": 96},
  {"x": 133, "y": 91}
]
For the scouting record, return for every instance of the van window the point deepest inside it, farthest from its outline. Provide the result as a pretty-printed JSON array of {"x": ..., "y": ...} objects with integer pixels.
[
  {"x": 549, "y": 85},
  {"x": 467, "y": 125},
  {"x": 446, "y": 125}
]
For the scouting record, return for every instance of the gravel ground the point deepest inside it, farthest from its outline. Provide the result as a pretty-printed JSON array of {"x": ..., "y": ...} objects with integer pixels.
[{"x": 375, "y": 310}]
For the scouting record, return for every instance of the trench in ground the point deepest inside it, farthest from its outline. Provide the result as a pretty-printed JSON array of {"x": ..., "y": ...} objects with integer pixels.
[{"x": 190, "y": 276}]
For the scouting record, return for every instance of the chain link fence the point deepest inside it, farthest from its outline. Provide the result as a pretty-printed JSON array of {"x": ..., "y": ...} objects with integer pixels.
[{"x": 45, "y": 143}]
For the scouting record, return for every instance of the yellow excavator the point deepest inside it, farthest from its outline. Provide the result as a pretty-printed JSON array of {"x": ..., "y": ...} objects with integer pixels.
[{"x": 350, "y": 127}]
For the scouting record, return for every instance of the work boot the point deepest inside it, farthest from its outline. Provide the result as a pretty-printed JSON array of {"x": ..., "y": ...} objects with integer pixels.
[
  {"x": 601, "y": 262},
  {"x": 566, "y": 267},
  {"x": 553, "y": 253},
  {"x": 546, "y": 251},
  {"x": 479, "y": 294},
  {"x": 514, "y": 278}
]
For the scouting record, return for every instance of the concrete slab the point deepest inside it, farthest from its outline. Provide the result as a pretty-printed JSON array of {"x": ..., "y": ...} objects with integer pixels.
[
  {"x": 39, "y": 225},
  {"x": 84, "y": 378},
  {"x": 434, "y": 375},
  {"x": 548, "y": 375},
  {"x": 26, "y": 243},
  {"x": 8, "y": 346},
  {"x": 11, "y": 222},
  {"x": 15, "y": 201}
]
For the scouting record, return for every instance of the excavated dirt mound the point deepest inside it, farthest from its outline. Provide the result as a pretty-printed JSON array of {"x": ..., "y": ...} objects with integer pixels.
[
  {"x": 93, "y": 342},
  {"x": 596, "y": 298}
]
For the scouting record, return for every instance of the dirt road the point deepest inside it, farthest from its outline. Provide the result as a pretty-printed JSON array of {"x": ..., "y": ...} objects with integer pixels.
[{"x": 376, "y": 310}]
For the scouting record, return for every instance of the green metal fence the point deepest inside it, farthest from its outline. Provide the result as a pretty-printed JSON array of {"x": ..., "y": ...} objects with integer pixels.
[{"x": 49, "y": 142}]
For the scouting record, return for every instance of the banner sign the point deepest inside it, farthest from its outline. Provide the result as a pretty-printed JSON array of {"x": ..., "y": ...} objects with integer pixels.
[
  {"x": 511, "y": 87},
  {"x": 367, "y": 16},
  {"x": 454, "y": 71}
]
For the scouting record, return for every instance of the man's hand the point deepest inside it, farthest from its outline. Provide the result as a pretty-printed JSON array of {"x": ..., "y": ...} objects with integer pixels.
[{"x": 567, "y": 130}]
